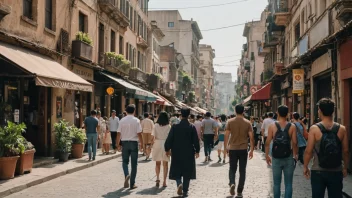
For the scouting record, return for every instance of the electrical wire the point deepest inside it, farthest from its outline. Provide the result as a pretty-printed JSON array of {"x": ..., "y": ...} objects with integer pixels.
[
  {"x": 229, "y": 62},
  {"x": 196, "y": 7},
  {"x": 229, "y": 56}
]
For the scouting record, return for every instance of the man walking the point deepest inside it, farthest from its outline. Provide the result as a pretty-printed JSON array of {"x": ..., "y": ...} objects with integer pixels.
[
  {"x": 147, "y": 129},
  {"x": 301, "y": 141},
  {"x": 184, "y": 145},
  {"x": 238, "y": 130},
  {"x": 91, "y": 124},
  {"x": 329, "y": 141},
  {"x": 265, "y": 126},
  {"x": 209, "y": 132},
  {"x": 284, "y": 138},
  {"x": 198, "y": 125},
  {"x": 113, "y": 126},
  {"x": 129, "y": 131}
]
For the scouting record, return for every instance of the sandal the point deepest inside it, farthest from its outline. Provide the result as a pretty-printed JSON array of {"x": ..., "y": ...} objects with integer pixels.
[
  {"x": 157, "y": 183},
  {"x": 164, "y": 185}
]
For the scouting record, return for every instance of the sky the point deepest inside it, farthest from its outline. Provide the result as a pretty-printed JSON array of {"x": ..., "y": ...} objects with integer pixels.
[{"x": 226, "y": 42}]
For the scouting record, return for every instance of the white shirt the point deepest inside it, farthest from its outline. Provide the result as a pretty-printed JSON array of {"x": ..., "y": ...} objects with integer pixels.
[
  {"x": 266, "y": 123},
  {"x": 114, "y": 123},
  {"x": 129, "y": 127},
  {"x": 147, "y": 125}
]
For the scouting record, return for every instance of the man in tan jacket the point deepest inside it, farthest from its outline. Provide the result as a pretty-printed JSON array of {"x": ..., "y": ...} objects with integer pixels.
[{"x": 147, "y": 129}]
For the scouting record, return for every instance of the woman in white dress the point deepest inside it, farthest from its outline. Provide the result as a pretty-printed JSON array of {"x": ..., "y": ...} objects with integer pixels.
[{"x": 160, "y": 133}]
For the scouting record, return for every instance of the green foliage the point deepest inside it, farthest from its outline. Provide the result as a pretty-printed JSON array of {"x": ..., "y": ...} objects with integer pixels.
[
  {"x": 118, "y": 57},
  {"x": 63, "y": 137},
  {"x": 78, "y": 135},
  {"x": 11, "y": 139},
  {"x": 159, "y": 76},
  {"x": 84, "y": 37},
  {"x": 234, "y": 103}
]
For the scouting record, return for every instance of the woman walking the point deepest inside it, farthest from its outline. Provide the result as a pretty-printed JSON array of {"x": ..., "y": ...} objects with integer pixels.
[
  {"x": 106, "y": 137},
  {"x": 160, "y": 133}
]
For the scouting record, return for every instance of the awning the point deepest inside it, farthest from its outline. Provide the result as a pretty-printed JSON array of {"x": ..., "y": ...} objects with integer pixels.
[
  {"x": 263, "y": 93},
  {"x": 184, "y": 105},
  {"x": 166, "y": 102},
  {"x": 247, "y": 100},
  {"x": 48, "y": 73},
  {"x": 139, "y": 93},
  {"x": 203, "y": 111}
]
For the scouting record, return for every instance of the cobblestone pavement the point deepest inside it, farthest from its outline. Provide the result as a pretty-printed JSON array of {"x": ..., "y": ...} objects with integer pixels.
[{"x": 106, "y": 180}]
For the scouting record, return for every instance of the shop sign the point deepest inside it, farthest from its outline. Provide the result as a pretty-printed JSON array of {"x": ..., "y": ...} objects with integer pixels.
[
  {"x": 110, "y": 91},
  {"x": 298, "y": 81},
  {"x": 83, "y": 72},
  {"x": 172, "y": 85},
  {"x": 17, "y": 115}
]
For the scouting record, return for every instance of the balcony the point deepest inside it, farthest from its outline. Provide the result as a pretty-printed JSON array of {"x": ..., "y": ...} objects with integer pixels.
[
  {"x": 154, "y": 81},
  {"x": 111, "y": 8},
  {"x": 82, "y": 50},
  {"x": 278, "y": 66},
  {"x": 137, "y": 75},
  {"x": 269, "y": 40},
  {"x": 281, "y": 12},
  {"x": 344, "y": 10},
  {"x": 141, "y": 42},
  {"x": 247, "y": 66},
  {"x": 112, "y": 64}
]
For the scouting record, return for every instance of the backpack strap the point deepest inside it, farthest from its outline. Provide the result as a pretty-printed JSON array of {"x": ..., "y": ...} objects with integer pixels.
[
  {"x": 288, "y": 126},
  {"x": 278, "y": 126},
  {"x": 321, "y": 127},
  {"x": 335, "y": 128}
]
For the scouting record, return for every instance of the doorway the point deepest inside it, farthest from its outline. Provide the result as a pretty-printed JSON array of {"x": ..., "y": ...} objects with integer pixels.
[
  {"x": 350, "y": 125},
  {"x": 43, "y": 147}
]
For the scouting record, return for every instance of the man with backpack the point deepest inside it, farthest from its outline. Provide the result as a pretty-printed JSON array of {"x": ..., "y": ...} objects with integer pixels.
[
  {"x": 301, "y": 141},
  {"x": 329, "y": 142},
  {"x": 284, "y": 152}
]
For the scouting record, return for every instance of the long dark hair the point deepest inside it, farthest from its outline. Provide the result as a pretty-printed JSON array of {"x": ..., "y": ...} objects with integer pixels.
[{"x": 163, "y": 119}]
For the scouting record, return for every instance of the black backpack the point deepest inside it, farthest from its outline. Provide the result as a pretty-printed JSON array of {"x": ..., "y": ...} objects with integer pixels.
[
  {"x": 330, "y": 153},
  {"x": 282, "y": 142}
]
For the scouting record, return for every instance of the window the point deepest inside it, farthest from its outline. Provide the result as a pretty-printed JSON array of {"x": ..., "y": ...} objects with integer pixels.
[
  {"x": 112, "y": 42},
  {"x": 135, "y": 21},
  {"x": 82, "y": 22},
  {"x": 27, "y": 9},
  {"x": 49, "y": 14},
  {"x": 133, "y": 58},
  {"x": 297, "y": 32},
  {"x": 121, "y": 45},
  {"x": 131, "y": 17},
  {"x": 127, "y": 51},
  {"x": 170, "y": 24},
  {"x": 139, "y": 60},
  {"x": 101, "y": 45}
]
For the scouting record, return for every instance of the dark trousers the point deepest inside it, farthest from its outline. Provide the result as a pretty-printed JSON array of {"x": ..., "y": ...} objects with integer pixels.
[
  {"x": 130, "y": 149},
  {"x": 263, "y": 146},
  {"x": 185, "y": 184},
  {"x": 300, "y": 154},
  {"x": 113, "y": 139},
  {"x": 208, "y": 143},
  {"x": 238, "y": 156},
  {"x": 331, "y": 180}
]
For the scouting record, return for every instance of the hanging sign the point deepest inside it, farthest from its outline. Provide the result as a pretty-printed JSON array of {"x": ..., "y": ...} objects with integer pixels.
[
  {"x": 110, "y": 91},
  {"x": 298, "y": 81}
]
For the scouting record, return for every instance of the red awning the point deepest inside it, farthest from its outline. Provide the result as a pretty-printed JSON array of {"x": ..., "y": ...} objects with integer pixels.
[
  {"x": 160, "y": 101},
  {"x": 245, "y": 101},
  {"x": 263, "y": 93}
]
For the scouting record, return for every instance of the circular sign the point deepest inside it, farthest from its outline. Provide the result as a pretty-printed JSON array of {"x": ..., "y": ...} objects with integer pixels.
[
  {"x": 298, "y": 77},
  {"x": 110, "y": 90}
]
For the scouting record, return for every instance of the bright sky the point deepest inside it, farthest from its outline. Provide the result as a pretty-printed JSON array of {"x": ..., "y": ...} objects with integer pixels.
[{"x": 226, "y": 42}]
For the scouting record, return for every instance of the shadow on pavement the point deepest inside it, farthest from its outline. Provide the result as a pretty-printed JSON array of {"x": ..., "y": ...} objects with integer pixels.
[
  {"x": 122, "y": 192},
  {"x": 218, "y": 164},
  {"x": 151, "y": 191}
]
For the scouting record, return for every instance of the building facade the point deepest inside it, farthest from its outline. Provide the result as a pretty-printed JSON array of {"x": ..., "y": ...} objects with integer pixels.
[{"x": 225, "y": 92}]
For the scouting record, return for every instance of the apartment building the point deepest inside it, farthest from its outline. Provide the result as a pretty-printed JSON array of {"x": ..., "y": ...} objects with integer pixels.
[
  {"x": 225, "y": 91},
  {"x": 207, "y": 55}
]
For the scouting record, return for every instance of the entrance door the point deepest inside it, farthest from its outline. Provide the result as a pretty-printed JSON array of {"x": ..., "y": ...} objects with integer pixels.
[
  {"x": 44, "y": 132},
  {"x": 350, "y": 127}
]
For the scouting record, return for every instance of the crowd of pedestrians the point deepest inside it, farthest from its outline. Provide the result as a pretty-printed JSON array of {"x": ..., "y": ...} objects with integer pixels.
[{"x": 284, "y": 138}]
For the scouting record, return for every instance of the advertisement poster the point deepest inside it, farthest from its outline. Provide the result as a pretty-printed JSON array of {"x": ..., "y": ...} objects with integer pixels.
[
  {"x": 58, "y": 107},
  {"x": 298, "y": 81}
]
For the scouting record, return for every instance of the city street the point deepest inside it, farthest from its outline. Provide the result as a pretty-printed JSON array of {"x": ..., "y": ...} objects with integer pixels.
[{"x": 106, "y": 180}]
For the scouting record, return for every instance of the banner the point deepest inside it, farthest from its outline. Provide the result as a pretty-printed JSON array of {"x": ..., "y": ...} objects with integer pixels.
[{"x": 298, "y": 81}]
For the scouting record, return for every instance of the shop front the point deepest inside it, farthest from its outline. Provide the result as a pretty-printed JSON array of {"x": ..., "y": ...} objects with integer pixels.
[{"x": 32, "y": 91}]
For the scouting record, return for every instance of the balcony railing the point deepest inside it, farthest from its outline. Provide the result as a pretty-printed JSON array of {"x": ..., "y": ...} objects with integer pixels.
[
  {"x": 82, "y": 50},
  {"x": 111, "y": 8},
  {"x": 138, "y": 75},
  {"x": 141, "y": 42},
  {"x": 281, "y": 12}
]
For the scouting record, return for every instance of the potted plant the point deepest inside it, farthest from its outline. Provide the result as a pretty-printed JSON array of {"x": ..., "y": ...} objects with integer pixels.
[
  {"x": 25, "y": 163},
  {"x": 82, "y": 46},
  {"x": 78, "y": 139},
  {"x": 63, "y": 140},
  {"x": 11, "y": 146}
]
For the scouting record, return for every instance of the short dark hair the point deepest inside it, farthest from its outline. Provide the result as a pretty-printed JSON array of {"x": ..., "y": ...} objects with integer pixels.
[
  {"x": 185, "y": 112},
  {"x": 93, "y": 112},
  {"x": 223, "y": 117},
  {"x": 131, "y": 108},
  {"x": 207, "y": 114},
  {"x": 282, "y": 110},
  {"x": 192, "y": 116},
  {"x": 270, "y": 114},
  {"x": 146, "y": 115},
  {"x": 199, "y": 117},
  {"x": 295, "y": 115},
  {"x": 232, "y": 116},
  {"x": 326, "y": 106},
  {"x": 239, "y": 109},
  {"x": 163, "y": 119}
]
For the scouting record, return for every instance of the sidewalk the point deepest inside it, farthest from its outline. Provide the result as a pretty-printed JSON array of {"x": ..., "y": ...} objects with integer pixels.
[{"x": 48, "y": 172}]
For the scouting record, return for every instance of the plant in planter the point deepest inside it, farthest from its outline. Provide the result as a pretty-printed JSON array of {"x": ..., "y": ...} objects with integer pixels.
[
  {"x": 11, "y": 146},
  {"x": 84, "y": 37},
  {"x": 63, "y": 138},
  {"x": 78, "y": 139},
  {"x": 118, "y": 61},
  {"x": 159, "y": 76},
  {"x": 25, "y": 163},
  {"x": 82, "y": 47}
]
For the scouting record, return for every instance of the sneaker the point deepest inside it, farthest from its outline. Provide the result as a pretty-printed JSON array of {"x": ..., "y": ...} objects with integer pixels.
[
  {"x": 185, "y": 194},
  {"x": 239, "y": 195},
  {"x": 206, "y": 159},
  {"x": 210, "y": 160},
  {"x": 126, "y": 184},
  {"x": 219, "y": 160},
  {"x": 179, "y": 189},
  {"x": 133, "y": 187},
  {"x": 232, "y": 189}
]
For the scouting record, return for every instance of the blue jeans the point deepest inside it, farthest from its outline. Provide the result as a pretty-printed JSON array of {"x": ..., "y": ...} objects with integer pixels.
[
  {"x": 130, "y": 149},
  {"x": 208, "y": 144},
  {"x": 287, "y": 166},
  {"x": 331, "y": 180},
  {"x": 185, "y": 185},
  {"x": 92, "y": 144}
]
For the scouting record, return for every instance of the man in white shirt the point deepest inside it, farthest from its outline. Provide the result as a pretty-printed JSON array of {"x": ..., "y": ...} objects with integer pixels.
[
  {"x": 113, "y": 125},
  {"x": 265, "y": 127},
  {"x": 147, "y": 129},
  {"x": 129, "y": 132}
]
